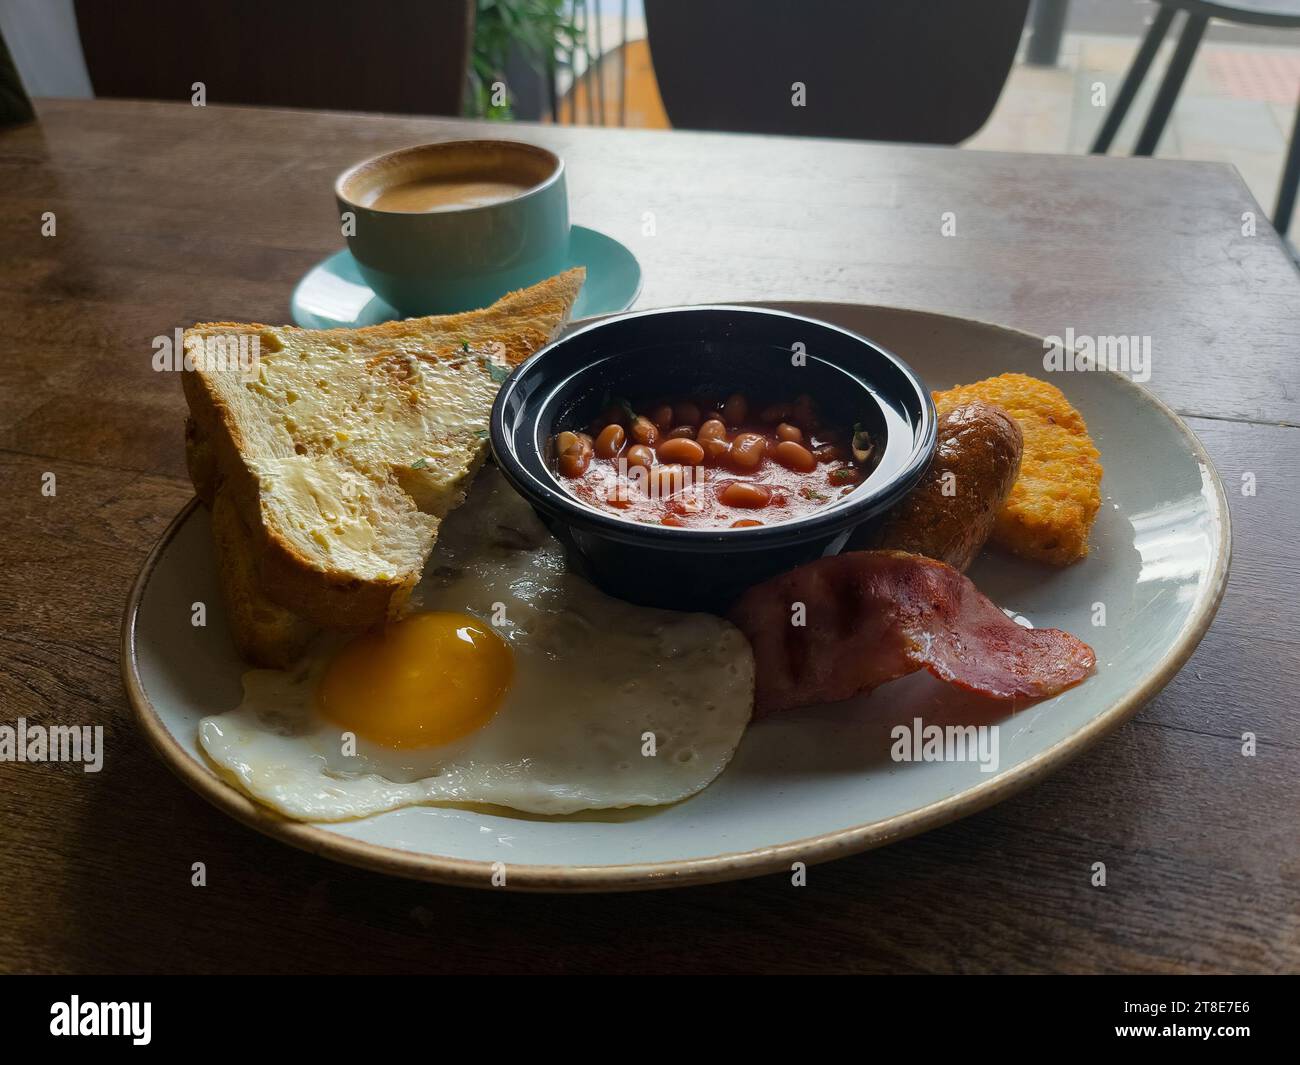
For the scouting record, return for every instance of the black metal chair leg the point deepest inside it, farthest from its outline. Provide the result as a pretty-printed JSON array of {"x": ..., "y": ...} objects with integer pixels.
[
  {"x": 1290, "y": 179},
  {"x": 1047, "y": 26},
  {"x": 1171, "y": 84},
  {"x": 1133, "y": 79}
]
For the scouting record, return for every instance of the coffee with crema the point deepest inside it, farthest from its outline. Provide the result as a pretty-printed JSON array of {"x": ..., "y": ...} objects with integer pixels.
[
  {"x": 438, "y": 193},
  {"x": 438, "y": 228}
]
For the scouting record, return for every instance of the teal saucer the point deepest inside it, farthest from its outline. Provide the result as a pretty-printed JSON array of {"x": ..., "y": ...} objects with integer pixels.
[{"x": 333, "y": 293}]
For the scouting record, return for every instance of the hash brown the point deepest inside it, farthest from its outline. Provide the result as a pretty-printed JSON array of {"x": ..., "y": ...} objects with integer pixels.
[{"x": 1053, "y": 503}]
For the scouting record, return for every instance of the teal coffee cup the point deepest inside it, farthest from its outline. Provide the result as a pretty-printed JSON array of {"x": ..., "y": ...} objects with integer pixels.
[{"x": 440, "y": 228}]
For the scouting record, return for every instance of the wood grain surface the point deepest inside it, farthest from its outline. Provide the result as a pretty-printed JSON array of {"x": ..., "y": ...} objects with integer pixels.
[{"x": 168, "y": 214}]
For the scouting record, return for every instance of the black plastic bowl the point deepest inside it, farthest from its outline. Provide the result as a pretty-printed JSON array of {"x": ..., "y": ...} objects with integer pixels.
[{"x": 682, "y": 351}]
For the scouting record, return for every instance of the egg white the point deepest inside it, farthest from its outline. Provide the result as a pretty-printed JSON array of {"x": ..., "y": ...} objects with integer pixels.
[{"x": 598, "y": 685}]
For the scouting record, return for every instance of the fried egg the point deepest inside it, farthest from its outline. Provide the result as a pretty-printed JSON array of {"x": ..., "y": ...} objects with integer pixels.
[{"x": 514, "y": 683}]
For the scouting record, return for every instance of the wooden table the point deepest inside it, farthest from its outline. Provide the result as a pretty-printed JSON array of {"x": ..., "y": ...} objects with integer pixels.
[{"x": 167, "y": 214}]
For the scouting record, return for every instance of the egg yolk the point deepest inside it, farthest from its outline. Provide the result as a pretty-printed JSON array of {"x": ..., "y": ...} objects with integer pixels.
[{"x": 425, "y": 680}]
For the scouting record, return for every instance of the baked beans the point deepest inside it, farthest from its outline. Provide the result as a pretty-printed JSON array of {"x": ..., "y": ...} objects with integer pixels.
[{"x": 720, "y": 462}]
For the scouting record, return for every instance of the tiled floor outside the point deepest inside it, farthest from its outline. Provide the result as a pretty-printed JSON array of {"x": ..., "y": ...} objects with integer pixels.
[{"x": 1237, "y": 105}]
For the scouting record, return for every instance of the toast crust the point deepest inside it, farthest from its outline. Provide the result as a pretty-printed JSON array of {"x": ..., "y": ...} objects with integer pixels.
[{"x": 264, "y": 632}]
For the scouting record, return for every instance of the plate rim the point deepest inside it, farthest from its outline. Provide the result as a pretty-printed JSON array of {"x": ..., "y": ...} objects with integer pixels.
[{"x": 731, "y": 865}]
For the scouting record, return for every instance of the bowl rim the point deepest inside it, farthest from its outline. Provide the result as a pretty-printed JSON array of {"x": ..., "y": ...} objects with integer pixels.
[{"x": 824, "y": 523}]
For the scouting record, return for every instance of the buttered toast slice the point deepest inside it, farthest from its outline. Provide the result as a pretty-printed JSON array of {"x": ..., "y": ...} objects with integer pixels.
[{"x": 329, "y": 460}]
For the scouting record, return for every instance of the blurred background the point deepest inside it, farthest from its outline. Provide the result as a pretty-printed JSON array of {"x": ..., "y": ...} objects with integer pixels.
[{"x": 1001, "y": 75}]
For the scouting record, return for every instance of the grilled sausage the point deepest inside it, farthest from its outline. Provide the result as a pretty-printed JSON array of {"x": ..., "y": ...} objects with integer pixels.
[{"x": 950, "y": 513}]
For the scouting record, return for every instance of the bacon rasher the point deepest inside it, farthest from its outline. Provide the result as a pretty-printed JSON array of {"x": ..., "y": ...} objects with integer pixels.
[{"x": 871, "y": 616}]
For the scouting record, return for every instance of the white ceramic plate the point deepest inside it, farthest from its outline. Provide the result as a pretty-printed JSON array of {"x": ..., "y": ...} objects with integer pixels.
[{"x": 810, "y": 785}]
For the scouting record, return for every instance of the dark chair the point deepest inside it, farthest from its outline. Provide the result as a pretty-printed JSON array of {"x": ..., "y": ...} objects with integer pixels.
[
  {"x": 1284, "y": 14},
  {"x": 403, "y": 56},
  {"x": 15, "y": 105},
  {"x": 893, "y": 70}
]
